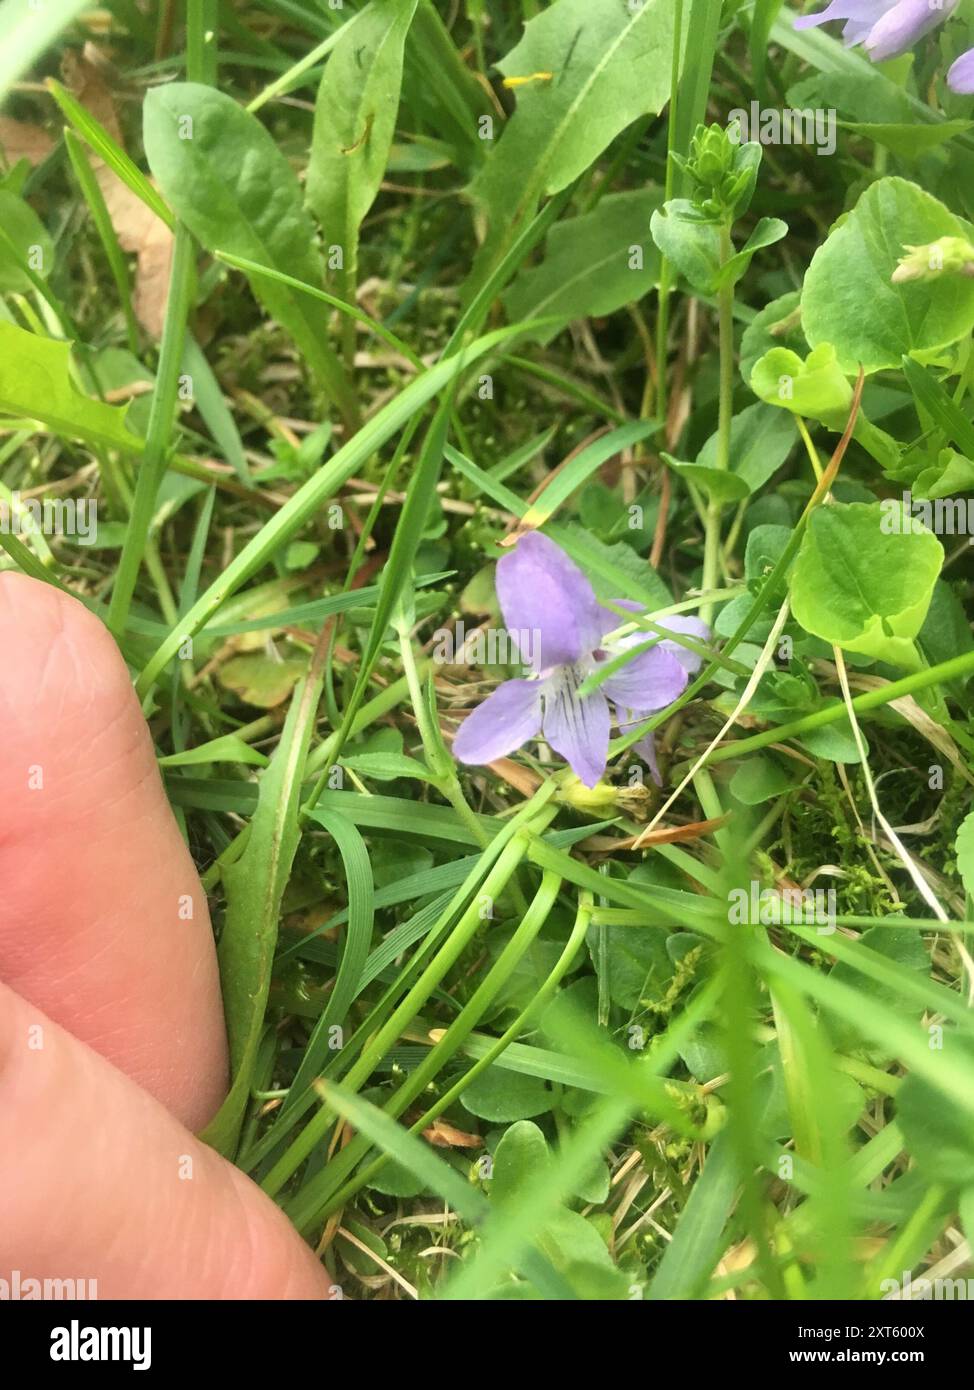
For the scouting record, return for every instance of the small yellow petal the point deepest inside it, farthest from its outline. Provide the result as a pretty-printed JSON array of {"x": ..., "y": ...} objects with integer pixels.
[{"x": 523, "y": 81}]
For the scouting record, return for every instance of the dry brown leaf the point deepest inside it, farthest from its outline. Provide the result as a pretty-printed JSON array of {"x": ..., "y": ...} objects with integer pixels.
[
  {"x": 22, "y": 141},
  {"x": 84, "y": 74},
  {"x": 444, "y": 1136},
  {"x": 140, "y": 232}
]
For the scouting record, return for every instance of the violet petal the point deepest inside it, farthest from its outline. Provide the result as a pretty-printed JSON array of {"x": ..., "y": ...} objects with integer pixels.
[
  {"x": 860, "y": 15},
  {"x": 507, "y": 719},
  {"x": 901, "y": 27},
  {"x": 693, "y": 627},
  {"x": 960, "y": 77},
  {"x": 646, "y": 749},
  {"x": 577, "y": 729},
  {"x": 545, "y": 596},
  {"x": 650, "y": 681}
]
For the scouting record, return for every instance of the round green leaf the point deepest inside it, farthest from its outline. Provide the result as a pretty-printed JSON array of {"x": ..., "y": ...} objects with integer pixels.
[
  {"x": 863, "y": 586},
  {"x": 31, "y": 245},
  {"x": 849, "y": 299},
  {"x": 499, "y": 1094}
]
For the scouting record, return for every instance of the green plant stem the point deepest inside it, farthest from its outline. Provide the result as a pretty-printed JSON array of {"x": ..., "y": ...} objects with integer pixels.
[
  {"x": 447, "y": 781},
  {"x": 159, "y": 433},
  {"x": 665, "y": 272},
  {"x": 872, "y": 699},
  {"x": 287, "y": 80},
  {"x": 725, "y": 321}
]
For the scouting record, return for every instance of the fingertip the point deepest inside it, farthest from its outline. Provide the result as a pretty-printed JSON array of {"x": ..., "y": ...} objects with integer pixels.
[{"x": 103, "y": 921}]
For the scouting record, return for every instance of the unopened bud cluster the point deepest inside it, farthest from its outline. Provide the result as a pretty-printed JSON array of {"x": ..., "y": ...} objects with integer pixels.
[{"x": 721, "y": 171}]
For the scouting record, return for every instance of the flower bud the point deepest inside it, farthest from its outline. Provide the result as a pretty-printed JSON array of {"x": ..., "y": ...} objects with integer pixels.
[{"x": 950, "y": 253}]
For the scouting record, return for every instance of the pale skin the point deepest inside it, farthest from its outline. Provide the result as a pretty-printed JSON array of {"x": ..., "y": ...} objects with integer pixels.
[{"x": 112, "y": 1046}]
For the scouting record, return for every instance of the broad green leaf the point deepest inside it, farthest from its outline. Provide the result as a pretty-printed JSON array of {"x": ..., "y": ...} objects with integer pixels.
[
  {"x": 633, "y": 964},
  {"x": 255, "y": 884},
  {"x": 691, "y": 245},
  {"x": 31, "y": 244},
  {"x": 28, "y": 29},
  {"x": 568, "y": 1239},
  {"x": 778, "y": 324},
  {"x": 694, "y": 246},
  {"x": 358, "y": 939},
  {"x": 862, "y": 586},
  {"x": 386, "y": 767},
  {"x": 36, "y": 382},
  {"x": 848, "y": 297},
  {"x": 761, "y": 440},
  {"x": 355, "y": 118},
  {"x": 766, "y": 233},
  {"x": 718, "y": 483},
  {"x": 607, "y": 64},
  {"x": 816, "y": 388},
  {"x": 946, "y": 632},
  {"x": 521, "y": 1153},
  {"x": 227, "y": 180},
  {"x": 836, "y": 744},
  {"x": 228, "y": 748},
  {"x": 760, "y": 779},
  {"x": 765, "y": 547},
  {"x": 952, "y": 472},
  {"x": 907, "y": 139},
  {"x": 498, "y": 1096},
  {"x": 854, "y": 87},
  {"x": 594, "y": 264},
  {"x": 261, "y": 679},
  {"x": 964, "y": 849},
  {"x": 939, "y": 1134}
]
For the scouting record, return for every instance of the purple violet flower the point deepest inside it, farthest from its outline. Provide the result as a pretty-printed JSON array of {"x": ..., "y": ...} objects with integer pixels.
[
  {"x": 886, "y": 28},
  {"x": 960, "y": 77},
  {"x": 542, "y": 592}
]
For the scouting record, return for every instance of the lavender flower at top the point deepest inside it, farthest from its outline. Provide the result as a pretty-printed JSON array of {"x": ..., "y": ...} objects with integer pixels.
[
  {"x": 885, "y": 28},
  {"x": 960, "y": 77},
  {"x": 543, "y": 592}
]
